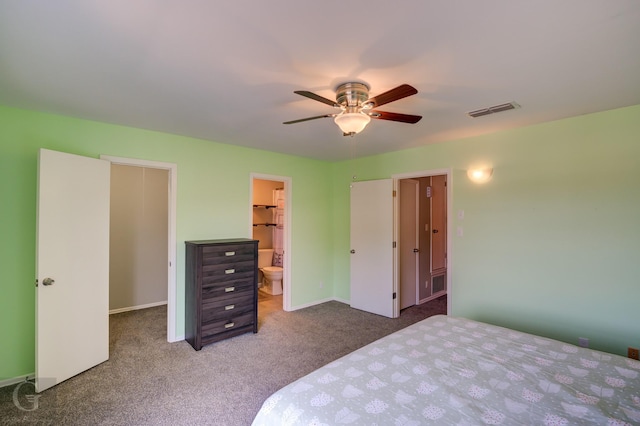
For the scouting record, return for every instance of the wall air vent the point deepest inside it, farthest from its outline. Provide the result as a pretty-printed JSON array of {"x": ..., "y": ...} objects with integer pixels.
[{"x": 493, "y": 109}]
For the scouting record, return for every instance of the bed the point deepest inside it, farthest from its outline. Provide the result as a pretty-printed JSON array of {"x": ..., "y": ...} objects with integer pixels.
[{"x": 448, "y": 370}]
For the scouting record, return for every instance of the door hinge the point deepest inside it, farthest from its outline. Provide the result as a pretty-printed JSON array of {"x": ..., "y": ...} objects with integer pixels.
[
  {"x": 428, "y": 192},
  {"x": 36, "y": 283},
  {"x": 394, "y": 294},
  {"x": 394, "y": 244},
  {"x": 394, "y": 193}
]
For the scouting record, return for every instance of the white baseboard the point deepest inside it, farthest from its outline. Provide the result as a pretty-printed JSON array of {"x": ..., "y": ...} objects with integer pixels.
[
  {"x": 13, "y": 381},
  {"x": 135, "y": 308}
]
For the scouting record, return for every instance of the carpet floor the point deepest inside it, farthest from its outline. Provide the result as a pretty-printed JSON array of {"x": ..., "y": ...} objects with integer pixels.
[{"x": 148, "y": 381}]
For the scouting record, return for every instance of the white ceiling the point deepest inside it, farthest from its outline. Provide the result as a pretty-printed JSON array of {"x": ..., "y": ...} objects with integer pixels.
[{"x": 225, "y": 71}]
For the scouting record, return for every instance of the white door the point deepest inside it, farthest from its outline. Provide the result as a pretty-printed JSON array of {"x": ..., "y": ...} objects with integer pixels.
[
  {"x": 72, "y": 266},
  {"x": 372, "y": 247},
  {"x": 408, "y": 242}
]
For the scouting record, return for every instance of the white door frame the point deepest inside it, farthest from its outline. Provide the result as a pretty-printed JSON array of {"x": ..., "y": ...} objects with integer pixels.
[
  {"x": 396, "y": 205},
  {"x": 286, "y": 262},
  {"x": 172, "y": 168}
]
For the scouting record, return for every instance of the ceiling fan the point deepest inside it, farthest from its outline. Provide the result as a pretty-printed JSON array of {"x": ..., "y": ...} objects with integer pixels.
[{"x": 357, "y": 108}]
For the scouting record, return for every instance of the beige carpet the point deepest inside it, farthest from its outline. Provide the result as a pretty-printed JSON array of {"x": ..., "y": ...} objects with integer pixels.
[{"x": 148, "y": 381}]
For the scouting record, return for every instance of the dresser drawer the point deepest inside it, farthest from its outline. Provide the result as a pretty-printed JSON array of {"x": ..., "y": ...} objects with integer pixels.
[
  {"x": 216, "y": 288},
  {"x": 227, "y": 307},
  {"x": 213, "y": 255},
  {"x": 226, "y": 324},
  {"x": 228, "y": 271}
]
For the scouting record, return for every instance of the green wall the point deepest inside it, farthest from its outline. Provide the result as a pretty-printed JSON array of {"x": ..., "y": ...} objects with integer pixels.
[
  {"x": 551, "y": 244},
  {"x": 213, "y": 202}
]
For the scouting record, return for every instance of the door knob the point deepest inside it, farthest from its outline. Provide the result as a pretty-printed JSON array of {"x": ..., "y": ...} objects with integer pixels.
[
  {"x": 352, "y": 251},
  {"x": 416, "y": 250},
  {"x": 435, "y": 231},
  {"x": 48, "y": 281}
]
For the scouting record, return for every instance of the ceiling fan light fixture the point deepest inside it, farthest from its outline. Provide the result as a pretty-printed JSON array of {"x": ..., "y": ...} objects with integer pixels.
[{"x": 352, "y": 122}]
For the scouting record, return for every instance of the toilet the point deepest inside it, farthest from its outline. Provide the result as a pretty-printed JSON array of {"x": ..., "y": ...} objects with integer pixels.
[{"x": 271, "y": 275}]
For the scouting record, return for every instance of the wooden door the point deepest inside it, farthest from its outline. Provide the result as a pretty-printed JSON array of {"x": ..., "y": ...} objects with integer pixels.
[
  {"x": 72, "y": 311},
  {"x": 372, "y": 247},
  {"x": 408, "y": 242}
]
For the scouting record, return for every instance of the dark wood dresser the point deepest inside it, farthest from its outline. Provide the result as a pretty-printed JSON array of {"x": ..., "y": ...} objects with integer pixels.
[{"x": 221, "y": 284}]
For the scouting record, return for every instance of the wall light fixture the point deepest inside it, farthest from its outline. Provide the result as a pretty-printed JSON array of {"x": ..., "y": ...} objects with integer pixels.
[{"x": 480, "y": 175}]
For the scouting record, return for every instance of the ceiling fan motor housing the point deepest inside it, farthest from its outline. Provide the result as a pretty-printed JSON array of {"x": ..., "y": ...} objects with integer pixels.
[{"x": 352, "y": 95}]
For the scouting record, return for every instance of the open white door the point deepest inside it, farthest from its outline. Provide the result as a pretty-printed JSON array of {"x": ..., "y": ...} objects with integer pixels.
[
  {"x": 372, "y": 247},
  {"x": 72, "y": 266}
]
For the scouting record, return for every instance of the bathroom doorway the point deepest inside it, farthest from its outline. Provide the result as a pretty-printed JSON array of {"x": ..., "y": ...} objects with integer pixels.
[{"x": 270, "y": 224}]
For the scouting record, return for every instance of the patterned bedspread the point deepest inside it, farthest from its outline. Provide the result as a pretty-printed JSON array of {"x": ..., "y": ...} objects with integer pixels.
[{"x": 447, "y": 370}]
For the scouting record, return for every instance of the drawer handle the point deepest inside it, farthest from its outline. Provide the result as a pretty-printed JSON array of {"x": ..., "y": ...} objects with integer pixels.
[
  {"x": 229, "y": 289},
  {"x": 229, "y": 253},
  {"x": 229, "y": 271},
  {"x": 229, "y": 325},
  {"x": 229, "y": 307}
]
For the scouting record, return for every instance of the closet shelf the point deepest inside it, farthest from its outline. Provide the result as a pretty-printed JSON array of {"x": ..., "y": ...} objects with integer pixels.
[
  {"x": 264, "y": 224},
  {"x": 266, "y": 206}
]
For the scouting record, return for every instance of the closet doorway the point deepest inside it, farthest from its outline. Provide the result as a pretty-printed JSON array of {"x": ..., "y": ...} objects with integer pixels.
[
  {"x": 422, "y": 231},
  {"x": 270, "y": 197},
  {"x": 138, "y": 238},
  {"x": 168, "y": 260}
]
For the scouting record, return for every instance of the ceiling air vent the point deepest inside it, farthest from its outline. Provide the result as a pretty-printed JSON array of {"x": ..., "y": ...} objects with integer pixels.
[{"x": 493, "y": 109}]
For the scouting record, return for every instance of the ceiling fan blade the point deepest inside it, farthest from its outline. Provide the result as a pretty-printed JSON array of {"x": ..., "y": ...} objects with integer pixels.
[
  {"x": 309, "y": 118},
  {"x": 399, "y": 92},
  {"x": 318, "y": 98},
  {"x": 394, "y": 116}
]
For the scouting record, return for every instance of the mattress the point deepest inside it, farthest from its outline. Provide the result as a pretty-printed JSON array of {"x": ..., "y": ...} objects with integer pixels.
[{"x": 448, "y": 370}]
